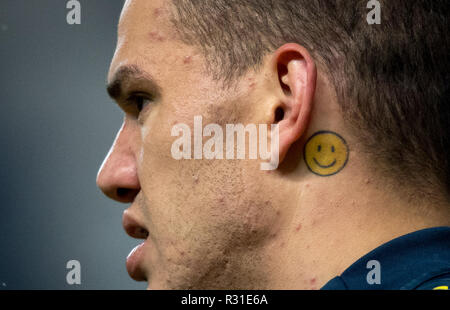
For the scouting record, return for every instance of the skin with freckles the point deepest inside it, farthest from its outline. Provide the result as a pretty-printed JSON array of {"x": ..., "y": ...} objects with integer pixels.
[{"x": 225, "y": 224}]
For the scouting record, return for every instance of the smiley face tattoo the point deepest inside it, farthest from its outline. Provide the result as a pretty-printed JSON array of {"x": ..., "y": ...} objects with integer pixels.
[{"x": 326, "y": 153}]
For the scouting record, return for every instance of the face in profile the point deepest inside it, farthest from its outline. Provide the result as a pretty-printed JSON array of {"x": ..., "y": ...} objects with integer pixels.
[{"x": 203, "y": 221}]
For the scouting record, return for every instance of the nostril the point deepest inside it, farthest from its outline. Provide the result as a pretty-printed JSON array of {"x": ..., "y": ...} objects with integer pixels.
[
  {"x": 139, "y": 233},
  {"x": 143, "y": 233},
  {"x": 122, "y": 192}
]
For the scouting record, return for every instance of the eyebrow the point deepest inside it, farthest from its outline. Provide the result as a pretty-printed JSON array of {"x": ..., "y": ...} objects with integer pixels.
[{"x": 126, "y": 74}]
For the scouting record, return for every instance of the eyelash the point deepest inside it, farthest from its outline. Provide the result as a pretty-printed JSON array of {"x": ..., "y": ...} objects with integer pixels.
[{"x": 138, "y": 101}]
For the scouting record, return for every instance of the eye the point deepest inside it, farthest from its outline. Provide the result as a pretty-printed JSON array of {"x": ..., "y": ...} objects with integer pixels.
[
  {"x": 138, "y": 102},
  {"x": 333, "y": 149},
  {"x": 319, "y": 148}
]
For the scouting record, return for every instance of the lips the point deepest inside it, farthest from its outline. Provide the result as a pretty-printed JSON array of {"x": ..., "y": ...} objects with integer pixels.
[
  {"x": 134, "y": 263},
  {"x": 135, "y": 259}
]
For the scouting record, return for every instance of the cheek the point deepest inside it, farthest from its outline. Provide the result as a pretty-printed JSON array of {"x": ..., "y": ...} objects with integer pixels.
[
  {"x": 157, "y": 173},
  {"x": 199, "y": 210},
  {"x": 197, "y": 204},
  {"x": 237, "y": 209}
]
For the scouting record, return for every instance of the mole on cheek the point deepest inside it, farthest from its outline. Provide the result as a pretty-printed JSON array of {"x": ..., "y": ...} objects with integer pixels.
[
  {"x": 195, "y": 178},
  {"x": 157, "y": 12},
  {"x": 252, "y": 83},
  {"x": 187, "y": 60},
  {"x": 155, "y": 36}
]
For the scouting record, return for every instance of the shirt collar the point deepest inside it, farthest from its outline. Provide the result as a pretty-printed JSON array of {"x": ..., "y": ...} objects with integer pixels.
[{"x": 405, "y": 262}]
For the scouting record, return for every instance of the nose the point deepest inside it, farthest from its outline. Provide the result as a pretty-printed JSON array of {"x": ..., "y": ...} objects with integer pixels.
[{"x": 117, "y": 177}]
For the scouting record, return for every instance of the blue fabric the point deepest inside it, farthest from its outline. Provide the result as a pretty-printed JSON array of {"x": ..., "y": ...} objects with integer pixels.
[{"x": 419, "y": 260}]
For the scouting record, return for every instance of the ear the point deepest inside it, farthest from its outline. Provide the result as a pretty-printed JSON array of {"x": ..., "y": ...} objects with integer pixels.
[{"x": 297, "y": 74}]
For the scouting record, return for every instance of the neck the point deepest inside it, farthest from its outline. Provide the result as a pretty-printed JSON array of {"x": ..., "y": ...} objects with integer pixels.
[{"x": 335, "y": 221}]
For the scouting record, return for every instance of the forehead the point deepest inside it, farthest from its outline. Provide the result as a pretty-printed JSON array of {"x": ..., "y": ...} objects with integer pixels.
[
  {"x": 136, "y": 13},
  {"x": 149, "y": 43},
  {"x": 145, "y": 35}
]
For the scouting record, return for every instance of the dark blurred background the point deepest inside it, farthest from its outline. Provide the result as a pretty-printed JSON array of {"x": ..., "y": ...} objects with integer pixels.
[{"x": 56, "y": 126}]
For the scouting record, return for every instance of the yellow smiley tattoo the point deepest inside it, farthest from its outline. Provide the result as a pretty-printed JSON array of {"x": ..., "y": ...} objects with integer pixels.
[{"x": 326, "y": 153}]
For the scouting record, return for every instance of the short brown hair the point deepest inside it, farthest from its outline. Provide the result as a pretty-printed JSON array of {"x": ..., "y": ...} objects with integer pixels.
[{"x": 391, "y": 79}]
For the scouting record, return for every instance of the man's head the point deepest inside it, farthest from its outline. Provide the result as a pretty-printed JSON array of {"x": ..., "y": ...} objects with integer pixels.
[
  {"x": 313, "y": 68},
  {"x": 391, "y": 79}
]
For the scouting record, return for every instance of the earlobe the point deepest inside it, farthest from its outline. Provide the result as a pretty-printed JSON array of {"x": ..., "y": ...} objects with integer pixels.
[{"x": 297, "y": 76}]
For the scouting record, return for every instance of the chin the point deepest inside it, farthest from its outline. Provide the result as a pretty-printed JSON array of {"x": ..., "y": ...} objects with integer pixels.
[{"x": 155, "y": 286}]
